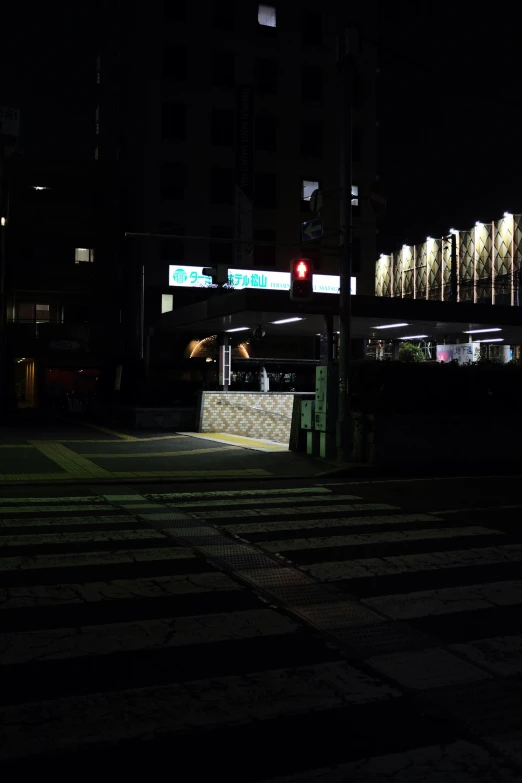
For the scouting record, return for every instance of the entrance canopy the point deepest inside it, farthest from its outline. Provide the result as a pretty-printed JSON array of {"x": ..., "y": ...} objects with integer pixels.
[{"x": 372, "y": 317}]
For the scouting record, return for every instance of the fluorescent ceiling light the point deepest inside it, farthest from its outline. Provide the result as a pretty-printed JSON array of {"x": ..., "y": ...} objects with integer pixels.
[
  {"x": 389, "y": 326},
  {"x": 507, "y": 214},
  {"x": 413, "y": 337},
  {"x": 239, "y": 329},
  {"x": 286, "y": 320},
  {"x": 492, "y": 340},
  {"x": 481, "y": 331}
]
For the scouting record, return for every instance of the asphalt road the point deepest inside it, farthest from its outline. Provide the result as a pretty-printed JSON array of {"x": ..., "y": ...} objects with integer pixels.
[{"x": 306, "y": 630}]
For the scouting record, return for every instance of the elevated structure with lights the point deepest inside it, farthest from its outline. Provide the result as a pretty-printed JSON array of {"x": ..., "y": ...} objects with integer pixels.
[{"x": 488, "y": 263}]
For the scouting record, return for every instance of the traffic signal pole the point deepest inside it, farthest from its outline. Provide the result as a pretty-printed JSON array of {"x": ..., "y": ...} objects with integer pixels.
[{"x": 347, "y": 46}]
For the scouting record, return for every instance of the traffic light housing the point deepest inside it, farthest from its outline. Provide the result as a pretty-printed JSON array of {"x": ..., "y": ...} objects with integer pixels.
[{"x": 301, "y": 280}]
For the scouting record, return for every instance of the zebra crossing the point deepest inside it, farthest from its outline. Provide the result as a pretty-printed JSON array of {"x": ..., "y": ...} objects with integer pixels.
[{"x": 291, "y": 628}]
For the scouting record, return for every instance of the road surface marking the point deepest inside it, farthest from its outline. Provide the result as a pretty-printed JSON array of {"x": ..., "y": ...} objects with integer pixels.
[
  {"x": 256, "y": 444},
  {"x": 304, "y": 524},
  {"x": 83, "y": 721},
  {"x": 115, "y": 590},
  {"x": 145, "y": 454},
  {"x": 239, "y": 493},
  {"x": 73, "y": 464},
  {"x": 257, "y": 501},
  {"x": 410, "y": 564},
  {"x": 447, "y": 600},
  {"x": 62, "y": 643},
  {"x": 116, "y": 434},
  {"x": 273, "y": 512},
  {"x": 367, "y": 539},
  {"x": 76, "y": 559},
  {"x": 96, "y": 537},
  {"x": 48, "y": 509}
]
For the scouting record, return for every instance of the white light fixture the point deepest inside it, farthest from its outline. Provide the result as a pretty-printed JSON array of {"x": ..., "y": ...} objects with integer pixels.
[
  {"x": 453, "y": 231},
  {"x": 389, "y": 326},
  {"x": 429, "y": 239},
  {"x": 286, "y": 321},
  {"x": 239, "y": 329},
  {"x": 479, "y": 224},
  {"x": 481, "y": 331},
  {"x": 507, "y": 214},
  {"x": 40, "y": 187},
  {"x": 413, "y": 337},
  {"x": 405, "y": 247},
  {"x": 492, "y": 340},
  {"x": 2, "y": 221}
]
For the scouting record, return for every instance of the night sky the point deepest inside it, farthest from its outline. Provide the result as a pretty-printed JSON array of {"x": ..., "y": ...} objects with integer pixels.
[{"x": 450, "y": 108}]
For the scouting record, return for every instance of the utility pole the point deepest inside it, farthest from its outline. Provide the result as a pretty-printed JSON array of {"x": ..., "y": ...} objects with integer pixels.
[{"x": 348, "y": 45}]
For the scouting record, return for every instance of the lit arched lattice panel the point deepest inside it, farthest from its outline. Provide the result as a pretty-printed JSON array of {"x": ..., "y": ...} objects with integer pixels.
[
  {"x": 420, "y": 271},
  {"x": 397, "y": 274},
  {"x": 502, "y": 260},
  {"x": 446, "y": 268},
  {"x": 483, "y": 244},
  {"x": 407, "y": 255},
  {"x": 434, "y": 256},
  {"x": 517, "y": 236},
  {"x": 466, "y": 264},
  {"x": 387, "y": 276}
]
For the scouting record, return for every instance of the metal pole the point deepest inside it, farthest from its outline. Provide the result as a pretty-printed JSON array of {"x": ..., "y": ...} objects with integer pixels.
[{"x": 347, "y": 44}]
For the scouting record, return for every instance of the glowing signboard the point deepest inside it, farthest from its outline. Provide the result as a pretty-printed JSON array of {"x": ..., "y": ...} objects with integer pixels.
[{"x": 193, "y": 277}]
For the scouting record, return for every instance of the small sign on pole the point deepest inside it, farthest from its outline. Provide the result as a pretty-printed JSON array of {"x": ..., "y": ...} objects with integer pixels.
[{"x": 312, "y": 229}]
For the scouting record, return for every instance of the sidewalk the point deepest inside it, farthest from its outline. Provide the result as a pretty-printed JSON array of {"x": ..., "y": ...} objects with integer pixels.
[{"x": 42, "y": 449}]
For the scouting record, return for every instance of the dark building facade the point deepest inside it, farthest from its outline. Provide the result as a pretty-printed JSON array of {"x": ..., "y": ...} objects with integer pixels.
[
  {"x": 222, "y": 118},
  {"x": 62, "y": 282}
]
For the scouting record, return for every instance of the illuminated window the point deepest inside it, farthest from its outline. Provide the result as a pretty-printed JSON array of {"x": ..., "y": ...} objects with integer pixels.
[
  {"x": 83, "y": 255},
  {"x": 307, "y": 188},
  {"x": 355, "y": 195},
  {"x": 266, "y": 15},
  {"x": 41, "y": 313}
]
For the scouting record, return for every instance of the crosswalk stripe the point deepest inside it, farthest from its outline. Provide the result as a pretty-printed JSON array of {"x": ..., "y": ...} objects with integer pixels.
[
  {"x": 448, "y": 600},
  {"x": 62, "y": 643},
  {"x": 500, "y": 655},
  {"x": 342, "y": 569},
  {"x": 275, "y": 512},
  {"x": 7, "y": 542},
  {"x": 310, "y": 524},
  {"x": 95, "y": 592},
  {"x": 232, "y": 493},
  {"x": 10, "y": 564},
  {"x": 374, "y": 538},
  {"x": 118, "y": 715},
  {"x": 36, "y": 522},
  {"x": 258, "y": 501},
  {"x": 51, "y": 509}
]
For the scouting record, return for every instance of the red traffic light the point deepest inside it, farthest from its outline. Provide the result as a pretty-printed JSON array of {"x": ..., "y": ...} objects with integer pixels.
[
  {"x": 301, "y": 286},
  {"x": 301, "y": 269}
]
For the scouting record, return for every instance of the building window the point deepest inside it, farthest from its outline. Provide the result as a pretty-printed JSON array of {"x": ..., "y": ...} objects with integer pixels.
[
  {"x": 175, "y": 10},
  {"x": 172, "y": 249},
  {"x": 265, "y": 255},
  {"x": 29, "y": 312},
  {"x": 266, "y": 132},
  {"x": 266, "y": 15},
  {"x": 311, "y": 139},
  {"x": 311, "y": 27},
  {"x": 174, "y": 62},
  {"x": 220, "y": 252},
  {"x": 355, "y": 201},
  {"x": 83, "y": 255},
  {"x": 172, "y": 180},
  {"x": 307, "y": 188},
  {"x": 222, "y": 128},
  {"x": 223, "y": 69},
  {"x": 173, "y": 122},
  {"x": 311, "y": 84},
  {"x": 265, "y": 191},
  {"x": 266, "y": 76},
  {"x": 224, "y": 14},
  {"x": 221, "y": 186}
]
